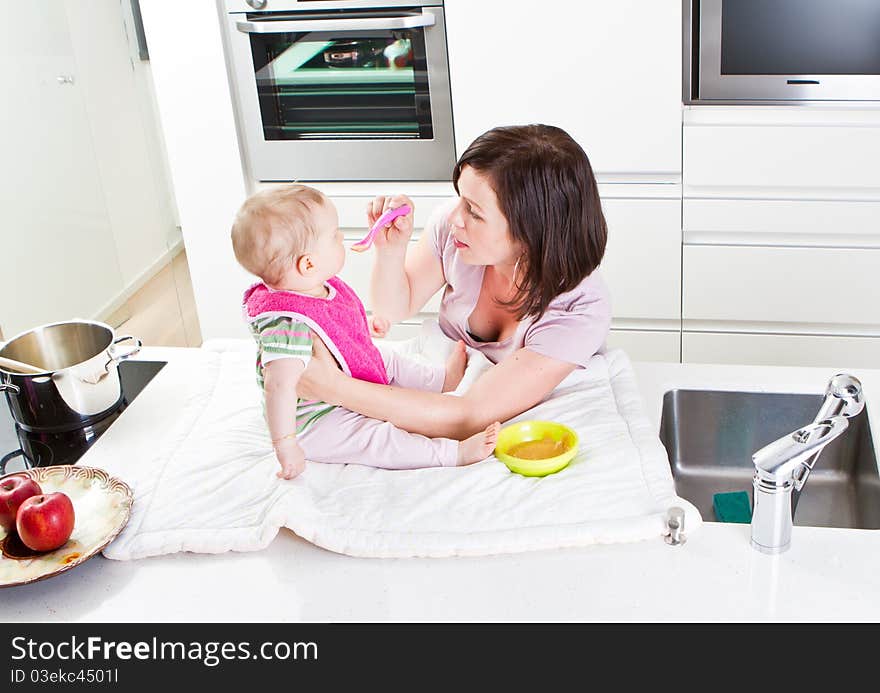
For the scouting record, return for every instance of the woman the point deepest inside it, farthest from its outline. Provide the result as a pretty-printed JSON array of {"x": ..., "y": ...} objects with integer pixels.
[{"x": 517, "y": 253}]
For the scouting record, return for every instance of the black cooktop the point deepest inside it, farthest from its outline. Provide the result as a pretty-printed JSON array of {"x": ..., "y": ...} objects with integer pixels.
[{"x": 20, "y": 449}]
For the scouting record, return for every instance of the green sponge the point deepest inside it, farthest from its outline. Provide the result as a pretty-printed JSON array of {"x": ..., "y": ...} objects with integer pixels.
[{"x": 732, "y": 507}]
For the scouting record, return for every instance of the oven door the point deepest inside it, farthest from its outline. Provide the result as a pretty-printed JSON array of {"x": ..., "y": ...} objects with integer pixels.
[{"x": 343, "y": 95}]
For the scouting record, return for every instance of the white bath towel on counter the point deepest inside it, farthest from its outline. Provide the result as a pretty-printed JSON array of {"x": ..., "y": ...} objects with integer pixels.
[{"x": 195, "y": 449}]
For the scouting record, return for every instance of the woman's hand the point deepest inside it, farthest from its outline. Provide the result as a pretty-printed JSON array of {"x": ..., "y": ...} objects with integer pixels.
[
  {"x": 322, "y": 375},
  {"x": 397, "y": 235}
]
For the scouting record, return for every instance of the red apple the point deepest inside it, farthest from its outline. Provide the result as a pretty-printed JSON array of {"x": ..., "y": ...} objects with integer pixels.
[
  {"x": 45, "y": 522},
  {"x": 15, "y": 489}
]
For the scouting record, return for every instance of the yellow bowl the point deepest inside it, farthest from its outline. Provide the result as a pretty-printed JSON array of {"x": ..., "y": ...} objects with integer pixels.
[{"x": 557, "y": 436}]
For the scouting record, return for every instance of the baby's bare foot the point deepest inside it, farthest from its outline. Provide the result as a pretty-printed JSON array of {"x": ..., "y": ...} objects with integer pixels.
[
  {"x": 455, "y": 365},
  {"x": 479, "y": 446}
]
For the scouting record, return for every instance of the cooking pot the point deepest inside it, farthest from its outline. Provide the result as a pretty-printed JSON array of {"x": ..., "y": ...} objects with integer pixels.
[
  {"x": 80, "y": 384},
  {"x": 355, "y": 53}
]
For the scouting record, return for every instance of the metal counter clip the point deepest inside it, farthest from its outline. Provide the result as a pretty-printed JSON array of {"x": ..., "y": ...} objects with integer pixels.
[{"x": 675, "y": 525}]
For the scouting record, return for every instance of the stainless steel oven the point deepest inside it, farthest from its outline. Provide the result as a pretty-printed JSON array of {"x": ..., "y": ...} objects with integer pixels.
[
  {"x": 328, "y": 91},
  {"x": 781, "y": 50}
]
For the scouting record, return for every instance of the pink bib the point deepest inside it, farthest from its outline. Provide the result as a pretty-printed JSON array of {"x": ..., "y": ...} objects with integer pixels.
[{"x": 340, "y": 321}]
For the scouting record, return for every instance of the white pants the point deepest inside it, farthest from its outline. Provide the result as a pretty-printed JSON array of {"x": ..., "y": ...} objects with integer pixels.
[{"x": 346, "y": 437}]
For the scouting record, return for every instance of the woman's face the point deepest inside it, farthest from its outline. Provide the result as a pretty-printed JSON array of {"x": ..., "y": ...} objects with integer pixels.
[{"x": 479, "y": 229}]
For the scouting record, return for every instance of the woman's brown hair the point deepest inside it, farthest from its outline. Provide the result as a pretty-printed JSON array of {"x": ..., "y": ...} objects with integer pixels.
[{"x": 547, "y": 192}]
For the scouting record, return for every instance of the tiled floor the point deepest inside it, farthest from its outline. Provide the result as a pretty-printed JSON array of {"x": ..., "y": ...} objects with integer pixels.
[{"x": 163, "y": 311}]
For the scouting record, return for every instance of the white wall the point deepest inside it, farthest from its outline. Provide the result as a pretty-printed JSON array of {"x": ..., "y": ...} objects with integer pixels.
[
  {"x": 87, "y": 204},
  {"x": 128, "y": 147},
  {"x": 54, "y": 226}
]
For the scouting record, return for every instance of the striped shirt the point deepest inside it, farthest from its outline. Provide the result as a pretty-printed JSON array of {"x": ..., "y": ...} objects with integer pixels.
[{"x": 282, "y": 337}]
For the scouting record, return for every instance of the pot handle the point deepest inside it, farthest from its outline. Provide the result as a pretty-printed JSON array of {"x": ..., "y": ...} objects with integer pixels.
[
  {"x": 15, "y": 389},
  {"x": 6, "y": 459},
  {"x": 131, "y": 351}
]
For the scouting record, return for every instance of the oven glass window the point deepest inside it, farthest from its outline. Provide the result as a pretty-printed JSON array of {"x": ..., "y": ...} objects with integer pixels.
[
  {"x": 365, "y": 84},
  {"x": 800, "y": 37}
]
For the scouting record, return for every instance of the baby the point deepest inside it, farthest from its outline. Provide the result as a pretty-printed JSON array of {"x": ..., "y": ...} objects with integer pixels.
[{"x": 289, "y": 237}]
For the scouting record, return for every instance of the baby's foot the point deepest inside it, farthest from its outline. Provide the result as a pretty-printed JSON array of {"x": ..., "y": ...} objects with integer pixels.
[
  {"x": 479, "y": 446},
  {"x": 455, "y": 365}
]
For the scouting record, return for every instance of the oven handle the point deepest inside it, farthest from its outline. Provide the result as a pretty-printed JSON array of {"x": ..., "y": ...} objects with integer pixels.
[{"x": 280, "y": 27}]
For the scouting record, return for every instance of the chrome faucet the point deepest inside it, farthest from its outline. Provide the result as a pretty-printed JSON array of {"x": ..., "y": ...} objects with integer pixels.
[{"x": 783, "y": 466}]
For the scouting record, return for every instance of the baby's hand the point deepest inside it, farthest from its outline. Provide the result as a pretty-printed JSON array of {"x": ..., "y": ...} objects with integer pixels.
[
  {"x": 379, "y": 326},
  {"x": 291, "y": 458},
  {"x": 400, "y": 230}
]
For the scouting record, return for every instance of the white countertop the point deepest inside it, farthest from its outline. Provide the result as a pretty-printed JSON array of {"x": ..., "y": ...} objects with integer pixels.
[{"x": 827, "y": 575}]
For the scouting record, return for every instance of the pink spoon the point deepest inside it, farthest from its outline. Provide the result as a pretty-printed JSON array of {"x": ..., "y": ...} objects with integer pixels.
[{"x": 381, "y": 223}]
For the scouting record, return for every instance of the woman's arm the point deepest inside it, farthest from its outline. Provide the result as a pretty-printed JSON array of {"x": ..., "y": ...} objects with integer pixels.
[
  {"x": 403, "y": 278},
  {"x": 503, "y": 391}
]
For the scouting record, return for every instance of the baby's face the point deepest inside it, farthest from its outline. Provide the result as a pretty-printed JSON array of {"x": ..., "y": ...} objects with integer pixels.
[{"x": 327, "y": 250}]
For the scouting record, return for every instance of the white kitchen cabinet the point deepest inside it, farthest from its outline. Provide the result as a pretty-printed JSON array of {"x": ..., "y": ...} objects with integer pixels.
[
  {"x": 408, "y": 328},
  {"x": 607, "y": 72},
  {"x": 782, "y": 245},
  {"x": 779, "y": 222},
  {"x": 835, "y": 353},
  {"x": 359, "y": 268},
  {"x": 643, "y": 345},
  {"x": 351, "y": 199},
  {"x": 781, "y": 158},
  {"x": 781, "y": 153},
  {"x": 784, "y": 290},
  {"x": 610, "y": 75},
  {"x": 642, "y": 263}
]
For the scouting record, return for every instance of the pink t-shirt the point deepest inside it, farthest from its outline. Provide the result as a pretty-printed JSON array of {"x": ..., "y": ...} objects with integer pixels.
[{"x": 573, "y": 328}]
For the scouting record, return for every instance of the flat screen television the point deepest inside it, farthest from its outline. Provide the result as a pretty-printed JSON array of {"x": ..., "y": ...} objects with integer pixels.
[{"x": 782, "y": 50}]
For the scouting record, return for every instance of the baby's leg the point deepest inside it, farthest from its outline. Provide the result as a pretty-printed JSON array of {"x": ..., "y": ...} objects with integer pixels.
[
  {"x": 409, "y": 373},
  {"x": 455, "y": 366},
  {"x": 415, "y": 375},
  {"x": 344, "y": 437}
]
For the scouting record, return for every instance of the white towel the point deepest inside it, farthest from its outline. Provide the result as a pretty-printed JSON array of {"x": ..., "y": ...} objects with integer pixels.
[{"x": 204, "y": 480}]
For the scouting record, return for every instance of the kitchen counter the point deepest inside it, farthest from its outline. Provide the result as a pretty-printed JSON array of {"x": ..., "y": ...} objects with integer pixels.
[{"x": 827, "y": 575}]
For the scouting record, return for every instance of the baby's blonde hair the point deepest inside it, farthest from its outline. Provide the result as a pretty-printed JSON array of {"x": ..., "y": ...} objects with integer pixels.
[{"x": 273, "y": 227}]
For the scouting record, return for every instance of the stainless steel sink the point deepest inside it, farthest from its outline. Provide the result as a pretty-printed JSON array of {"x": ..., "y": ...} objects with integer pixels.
[{"x": 711, "y": 435}]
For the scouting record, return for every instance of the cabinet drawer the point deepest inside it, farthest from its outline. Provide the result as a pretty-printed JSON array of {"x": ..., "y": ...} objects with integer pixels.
[
  {"x": 829, "y": 223},
  {"x": 356, "y": 273},
  {"x": 351, "y": 199},
  {"x": 785, "y": 156},
  {"x": 647, "y": 346},
  {"x": 788, "y": 290},
  {"x": 353, "y": 210},
  {"x": 835, "y": 353},
  {"x": 642, "y": 263},
  {"x": 409, "y": 329}
]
